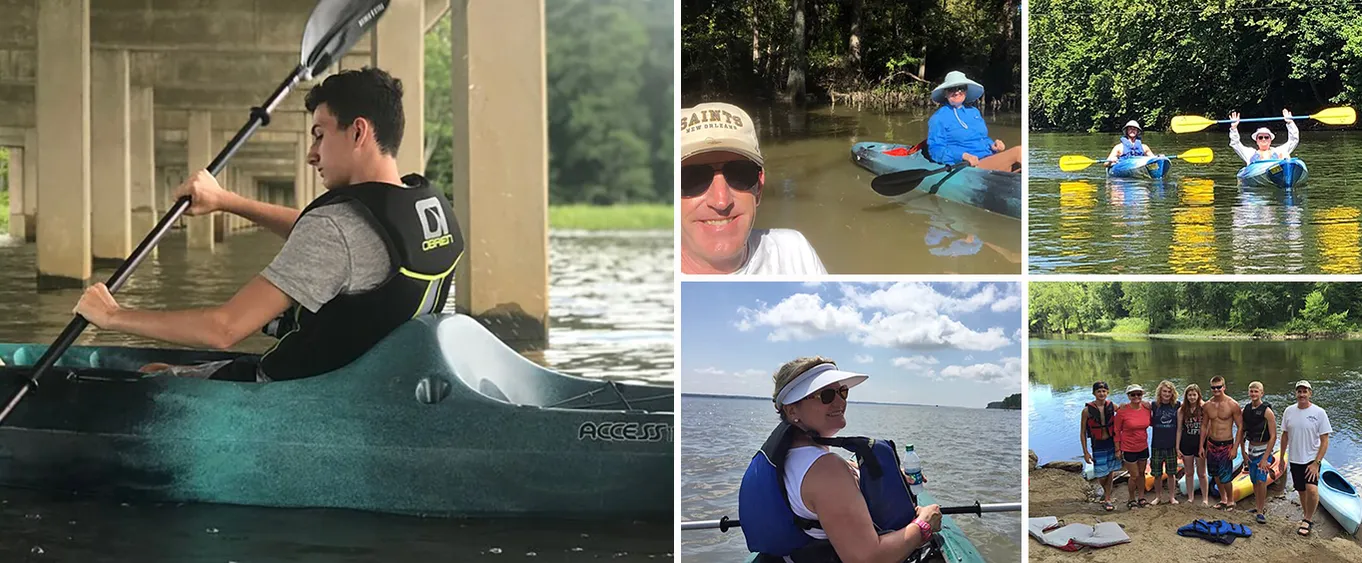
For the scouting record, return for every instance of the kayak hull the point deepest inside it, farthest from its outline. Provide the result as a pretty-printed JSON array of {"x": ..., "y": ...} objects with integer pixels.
[
  {"x": 1149, "y": 167},
  {"x": 1274, "y": 173},
  {"x": 999, "y": 192},
  {"x": 1339, "y": 497},
  {"x": 1243, "y": 485},
  {"x": 439, "y": 418}
]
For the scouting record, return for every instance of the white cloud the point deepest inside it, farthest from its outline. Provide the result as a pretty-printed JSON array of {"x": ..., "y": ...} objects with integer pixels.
[
  {"x": 802, "y": 316},
  {"x": 1008, "y": 371},
  {"x": 917, "y": 363},
  {"x": 927, "y": 332},
  {"x": 813, "y": 284},
  {"x": 716, "y": 372},
  {"x": 1010, "y": 301},
  {"x": 710, "y": 371},
  {"x": 1017, "y": 335},
  {"x": 864, "y": 359}
]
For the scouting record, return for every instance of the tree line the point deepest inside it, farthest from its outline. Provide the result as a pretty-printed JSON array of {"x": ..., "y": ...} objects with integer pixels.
[
  {"x": 1166, "y": 307},
  {"x": 1094, "y": 64},
  {"x": 799, "y": 50}
]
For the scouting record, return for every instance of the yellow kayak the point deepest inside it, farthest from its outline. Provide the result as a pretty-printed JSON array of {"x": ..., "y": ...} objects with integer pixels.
[{"x": 1243, "y": 486}]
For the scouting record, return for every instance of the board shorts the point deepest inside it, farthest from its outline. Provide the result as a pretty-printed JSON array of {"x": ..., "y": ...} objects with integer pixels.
[
  {"x": 1220, "y": 460},
  {"x": 1256, "y": 455},
  {"x": 1163, "y": 460},
  {"x": 1298, "y": 478},
  {"x": 1104, "y": 462}
]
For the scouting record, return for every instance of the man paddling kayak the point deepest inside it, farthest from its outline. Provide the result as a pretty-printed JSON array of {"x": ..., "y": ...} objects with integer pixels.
[
  {"x": 1305, "y": 437},
  {"x": 1263, "y": 138},
  {"x": 957, "y": 133},
  {"x": 1131, "y": 145},
  {"x": 359, "y": 261}
]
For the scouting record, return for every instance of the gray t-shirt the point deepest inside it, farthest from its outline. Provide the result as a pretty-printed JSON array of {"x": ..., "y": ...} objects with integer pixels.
[{"x": 334, "y": 250}]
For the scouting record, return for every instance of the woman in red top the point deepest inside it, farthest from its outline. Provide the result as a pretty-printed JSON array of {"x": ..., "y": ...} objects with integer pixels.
[{"x": 1132, "y": 439}]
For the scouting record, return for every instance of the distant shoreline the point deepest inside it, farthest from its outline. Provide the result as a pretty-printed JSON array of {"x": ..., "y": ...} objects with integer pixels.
[
  {"x": 1266, "y": 335},
  {"x": 768, "y": 399}
]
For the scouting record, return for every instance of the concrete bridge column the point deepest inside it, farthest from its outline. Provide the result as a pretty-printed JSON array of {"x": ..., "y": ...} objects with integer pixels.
[
  {"x": 199, "y": 157},
  {"x": 16, "y": 193},
  {"x": 62, "y": 103},
  {"x": 111, "y": 164},
  {"x": 403, "y": 53},
  {"x": 31, "y": 185},
  {"x": 501, "y": 139},
  {"x": 142, "y": 124}
]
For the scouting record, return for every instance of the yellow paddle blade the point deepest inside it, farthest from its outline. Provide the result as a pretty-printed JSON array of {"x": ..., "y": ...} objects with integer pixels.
[
  {"x": 1336, "y": 116},
  {"x": 1073, "y": 162},
  {"x": 1190, "y": 123},
  {"x": 1200, "y": 155}
]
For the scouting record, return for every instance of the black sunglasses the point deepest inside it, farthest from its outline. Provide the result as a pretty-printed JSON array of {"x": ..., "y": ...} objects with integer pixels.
[
  {"x": 1263, "y": 138},
  {"x": 1217, "y": 387},
  {"x": 741, "y": 175},
  {"x": 827, "y": 395}
]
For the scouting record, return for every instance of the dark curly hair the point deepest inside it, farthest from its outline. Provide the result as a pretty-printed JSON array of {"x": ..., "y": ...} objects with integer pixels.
[{"x": 370, "y": 93}]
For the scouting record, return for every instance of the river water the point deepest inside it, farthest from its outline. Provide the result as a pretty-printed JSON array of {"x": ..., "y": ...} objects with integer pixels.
[
  {"x": 611, "y": 308},
  {"x": 813, "y": 186},
  {"x": 976, "y": 459},
  {"x": 1198, "y": 220}
]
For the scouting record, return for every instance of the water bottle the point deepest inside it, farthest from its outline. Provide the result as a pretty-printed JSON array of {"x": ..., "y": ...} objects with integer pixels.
[{"x": 912, "y": 469}]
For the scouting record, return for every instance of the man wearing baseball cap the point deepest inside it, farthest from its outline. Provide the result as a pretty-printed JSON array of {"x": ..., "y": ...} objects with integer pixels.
[
  {"x": 721, "y": 182},
  {"x": 1305, "y": 439},
  {"x": 1263, "y": 137}
]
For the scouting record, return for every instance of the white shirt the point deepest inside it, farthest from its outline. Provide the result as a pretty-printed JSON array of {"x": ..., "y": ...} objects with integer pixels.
[
  {"x": 797, "y": 464},
  {"x": 780, "y": 252},
  {"x": 1304, "y": 427},
  {"x": 1293, "y": 138}
]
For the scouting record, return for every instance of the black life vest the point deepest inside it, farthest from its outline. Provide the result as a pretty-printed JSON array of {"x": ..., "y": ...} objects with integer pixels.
[
  {"x": 1255, "y": 422},
  {"x": 417, "y": 223}
]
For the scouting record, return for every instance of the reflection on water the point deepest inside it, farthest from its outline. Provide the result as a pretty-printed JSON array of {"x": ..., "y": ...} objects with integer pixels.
[
  {"x": 1198, "y": 220},
  {"x": 1062, "y": 373},
  {"x": 967, "y": 455},
  {"x": 813, "y": 186}
]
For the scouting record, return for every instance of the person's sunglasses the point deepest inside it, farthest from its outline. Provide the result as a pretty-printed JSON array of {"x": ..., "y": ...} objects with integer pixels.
[
  {"x": 1137, "y": 394},
  {"x": 741, "y": 175},
  {"x": 1263, "y": 138},
  {"x": 827, "y": 395},
  {"x": 1217, "y": 387},
  {"x": 957, "y": 90}
]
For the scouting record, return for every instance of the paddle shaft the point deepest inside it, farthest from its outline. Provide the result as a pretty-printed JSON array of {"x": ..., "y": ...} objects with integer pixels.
[
  {"x": 724, "y": 524},
  {"x": 259, "y": 117}
]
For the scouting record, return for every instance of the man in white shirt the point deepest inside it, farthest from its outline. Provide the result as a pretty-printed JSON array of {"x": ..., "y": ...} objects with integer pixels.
[
  {"x": 1305, "y": 439},
  {"x": 721, "y": 181}
]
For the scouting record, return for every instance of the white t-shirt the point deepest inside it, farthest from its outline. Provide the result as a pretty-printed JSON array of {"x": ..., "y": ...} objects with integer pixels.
[
  {"x": 780, "y": 252},
  {"x": 1304, "y": 428}
]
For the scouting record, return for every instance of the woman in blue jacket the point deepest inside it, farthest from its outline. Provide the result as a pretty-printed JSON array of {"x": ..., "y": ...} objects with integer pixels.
[{"x": 957, "y": 133}]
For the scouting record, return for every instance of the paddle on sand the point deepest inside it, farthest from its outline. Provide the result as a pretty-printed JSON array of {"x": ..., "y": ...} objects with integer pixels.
[
  {"x": 1331, "y": 116},
  {"x": 333, "y": 27},
  {"x": 1074, "y": 162},
  {"x": 723, "y": 524}
]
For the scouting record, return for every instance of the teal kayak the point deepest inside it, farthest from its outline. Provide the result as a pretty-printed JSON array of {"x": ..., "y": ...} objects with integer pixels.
[
  {"x": 439, "y": 418},
  {"x": 1279, "y": 173},
  {"x": 1339, "y": 497},
  {"x": 1153, "y": 167},
  {"x": 999, "y": 192}
]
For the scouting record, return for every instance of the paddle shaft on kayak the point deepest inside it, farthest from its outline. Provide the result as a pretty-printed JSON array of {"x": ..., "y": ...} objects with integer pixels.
[{"x": 723, "y": 524}]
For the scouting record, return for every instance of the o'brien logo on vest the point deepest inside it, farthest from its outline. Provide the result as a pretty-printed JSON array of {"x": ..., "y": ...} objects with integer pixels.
[
  {"x": 710, "y": 119},
  {"x": 434, "y": 224}
]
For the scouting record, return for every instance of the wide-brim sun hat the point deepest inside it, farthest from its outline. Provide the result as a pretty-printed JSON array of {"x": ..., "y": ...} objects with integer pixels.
[
  {"x": 1134, "y": 387},
  {"x": 815, "y": 378},
  {"x": 954, "y": 78},
  {"x": 1133, "y": 123},
  {"x": 1270, "y": 135}
]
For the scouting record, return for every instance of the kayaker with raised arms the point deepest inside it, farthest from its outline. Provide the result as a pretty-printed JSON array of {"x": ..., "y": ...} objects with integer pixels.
[
  {"x": 802, "y": 502},
  {"x": 1131, "y": 145},
  {"x": 721, "y": 182},
  {"x": 1259, "y": 433},
  {"x": 1305, "y": 440},
  {"x": 1095, "y": 425},
  {"x": 957, "y": 132},
  {"x": 1218, "y": 433},
  {"x": 1263, "y": 138},
  {"x": 1132, "y": 436},
  {"x": 374, "y": 251}
]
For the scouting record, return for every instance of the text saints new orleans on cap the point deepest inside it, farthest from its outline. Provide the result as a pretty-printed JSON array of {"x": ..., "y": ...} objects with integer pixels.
[{"x": 714, "y": 127}]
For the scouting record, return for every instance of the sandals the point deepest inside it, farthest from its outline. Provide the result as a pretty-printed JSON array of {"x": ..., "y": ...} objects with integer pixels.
[
  {"x": 1221, "y": 505},
  {"x": 1305, "y": 527},
  {"x": 1261, "y": 518},
  {"x": 1106, "y": 504},
  {"x": 1144, "y": 503},
  {"x": 1131, "y": 505}
]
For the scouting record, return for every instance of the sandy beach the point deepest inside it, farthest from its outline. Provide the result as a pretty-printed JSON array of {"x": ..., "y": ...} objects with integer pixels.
[{"x": 1153, "y": 529}]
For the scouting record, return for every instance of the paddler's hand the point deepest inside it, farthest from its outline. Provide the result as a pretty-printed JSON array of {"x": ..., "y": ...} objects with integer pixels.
[
  {"x": 1234, "y": 120},
  {"x": 932, "y": 515},
  {"x": 971, "y": 159},
  {"x": 1287, "y": 114},
  {"x": 97, "y": 305},
  {"x": 998, "y": 145},
  {"x": 205, "y": 195}
]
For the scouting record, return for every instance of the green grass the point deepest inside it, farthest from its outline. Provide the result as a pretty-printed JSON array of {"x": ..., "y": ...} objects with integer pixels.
[
  {"x": 4, "y": 212},
  {"x": 1131, "y": 325},
  {"x": 631, "y": 216}
]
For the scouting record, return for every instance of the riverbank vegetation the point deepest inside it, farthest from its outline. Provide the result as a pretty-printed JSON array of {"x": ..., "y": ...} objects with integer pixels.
[
  {"x": 1094, "y": 64},
  {"x": 623, "y": 216},
  {"x": 878, "y": 53},
  {"x": 1196, "y": 309}
]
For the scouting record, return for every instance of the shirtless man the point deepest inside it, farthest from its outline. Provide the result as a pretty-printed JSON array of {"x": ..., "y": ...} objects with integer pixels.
[{"x": 1223, "y": 417}]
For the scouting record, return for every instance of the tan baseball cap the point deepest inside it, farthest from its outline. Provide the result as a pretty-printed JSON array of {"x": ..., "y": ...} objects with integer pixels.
[{"x": 715, "y": 126}]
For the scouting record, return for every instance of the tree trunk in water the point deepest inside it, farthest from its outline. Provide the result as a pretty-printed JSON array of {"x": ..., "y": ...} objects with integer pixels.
[
  {"x": 794, "y": 83},
  {"x": 854, "y": 43},
  {"x": 756, "y": 41},
  {"x": 922, "y": 62}
]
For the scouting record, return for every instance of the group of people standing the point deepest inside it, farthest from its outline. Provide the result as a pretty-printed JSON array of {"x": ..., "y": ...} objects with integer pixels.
[{"x": 1206, "y": 435}]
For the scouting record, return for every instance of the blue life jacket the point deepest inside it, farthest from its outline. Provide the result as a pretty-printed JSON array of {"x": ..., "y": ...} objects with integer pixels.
[
  {"x": 1271, "y": 155},
  {"x": 771, "y": 526},
  {"x": 1131, "y": 149}
]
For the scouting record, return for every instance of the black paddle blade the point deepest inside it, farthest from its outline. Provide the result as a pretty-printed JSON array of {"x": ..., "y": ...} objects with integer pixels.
[
  {"x": 902, "y": 182},
  {"x": 333, "y": 28}
]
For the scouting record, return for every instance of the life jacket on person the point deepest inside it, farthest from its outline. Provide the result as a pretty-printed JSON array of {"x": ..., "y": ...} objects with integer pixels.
[
  {"x": 1271, "y": 155},
  {"x": 1096, "y": 420},
  {"x": 1131, "y": 149},
  {"x": 774, "y": 531},
  {"x": 1255, "y": 422},
  {"x": 417, "y": 223}
]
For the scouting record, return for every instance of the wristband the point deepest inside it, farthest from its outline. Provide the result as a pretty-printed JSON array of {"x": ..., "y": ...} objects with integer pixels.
[{"x": 925, "y": 528}]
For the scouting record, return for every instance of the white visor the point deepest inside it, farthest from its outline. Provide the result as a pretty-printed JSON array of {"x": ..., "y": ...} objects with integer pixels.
[{"x": 816, "y": 378}]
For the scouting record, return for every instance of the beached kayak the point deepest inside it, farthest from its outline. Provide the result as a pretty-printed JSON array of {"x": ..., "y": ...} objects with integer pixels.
[
  {"x": 1243, "y": 485},
  {"x": 438, "y": 418},
  {"x": 1154, "y": 167},
  {"x": 1279, "y": 173},
  {"x": 1339, "y": 497},
  {"x": 999, "y": 192}
]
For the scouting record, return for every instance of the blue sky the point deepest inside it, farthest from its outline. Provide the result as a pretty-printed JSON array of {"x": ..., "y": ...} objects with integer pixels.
[{"x": 956, "y": 344}]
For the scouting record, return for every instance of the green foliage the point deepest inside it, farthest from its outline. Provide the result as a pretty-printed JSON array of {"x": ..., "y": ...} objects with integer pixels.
[
  {"x": 1097, "y": 63},
  {"x": 1012, "y": 401},
  {"x": 612, "y": 217},
  {"x": 610, "y": 101}
]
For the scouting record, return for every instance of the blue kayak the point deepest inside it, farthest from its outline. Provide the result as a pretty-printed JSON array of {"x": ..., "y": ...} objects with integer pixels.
[
  {"x": 1153, "y": 167},
  {"x": 990, "y": 190},
  {"x": 1280, "y": 173}
]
